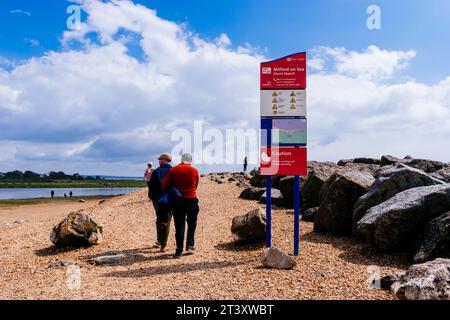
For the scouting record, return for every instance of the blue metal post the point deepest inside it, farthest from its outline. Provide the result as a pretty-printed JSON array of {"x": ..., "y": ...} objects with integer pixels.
[
  {"x": 296, "y": 215},
  {"x": 268, "y": 212}
]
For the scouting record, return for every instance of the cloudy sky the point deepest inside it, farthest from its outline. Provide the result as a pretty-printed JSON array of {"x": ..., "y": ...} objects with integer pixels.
[{"x": 106, "y": 97}]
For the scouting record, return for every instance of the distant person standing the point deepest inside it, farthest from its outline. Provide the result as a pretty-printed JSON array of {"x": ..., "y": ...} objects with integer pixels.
[
  {"x": 52, "y": 193},
  {"x": 70, "y": 194},
  {"x": 245, "y": 164},
  {"x": 147, "y": 175},
  {"x": 65, "y": 195},
  {"x": 185, "y": 178},
  {"x": 163, "y": 212}
]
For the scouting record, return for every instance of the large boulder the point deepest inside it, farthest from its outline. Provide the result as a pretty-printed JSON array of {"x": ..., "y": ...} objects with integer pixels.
[
  {"x": 276, "y": 196},
  {"x": 252, "y": 193},
  {"x": 434, "y": 242},
  {"x": 275, "y": 258},
  {"x": 421, "y": 164},
  {"x": 393, "y": 224},
  {"x": 387, "y": 160},
  {"x": 443, "y": 174},
  {"x": 426, "y": 281},
  {"x": 388, "y": 183},
  {"x": 250, "y": 227},
  {"x": 319, "y": 172},
  {"x": 78, "y": 229},
  {"x": 286, "y": 186},
  {"x": 343, "y": 190},
  {"x": 359, "y": 160},
  {"x": 310, "y": 214}
]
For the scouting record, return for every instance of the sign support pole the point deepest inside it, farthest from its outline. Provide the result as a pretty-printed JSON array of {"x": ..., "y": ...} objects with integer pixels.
[
  {"x": 296, "y": 214},
  {"x": 268, "y": 212}
]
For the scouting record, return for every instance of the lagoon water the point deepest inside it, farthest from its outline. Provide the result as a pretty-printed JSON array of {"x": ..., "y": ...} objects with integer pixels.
[{"x": 29, "y": 193}]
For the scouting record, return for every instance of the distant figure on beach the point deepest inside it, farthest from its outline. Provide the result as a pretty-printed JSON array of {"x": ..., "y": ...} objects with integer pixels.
[
  {"x": 52, "y": 193},
  {"x": 185, "y": 178},
  {"x": 147, "y": 175},
  {"x": 245, "y": 164},
  {"x": 70, "y": 194},
  {"x": 163, "y": 212},
  {"x": 65, "y": 195}
]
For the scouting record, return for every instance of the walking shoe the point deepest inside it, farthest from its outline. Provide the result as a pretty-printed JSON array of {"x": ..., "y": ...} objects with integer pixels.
[
  {"x": 177, "y": 255},
  {"x": 163, "y": 249},
  {"x": 156, "y": 245},
  {"x": 190, "y": 250}
]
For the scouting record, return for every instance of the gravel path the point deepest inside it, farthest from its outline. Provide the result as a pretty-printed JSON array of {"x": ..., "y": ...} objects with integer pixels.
[{"x": 328, "y": 267}]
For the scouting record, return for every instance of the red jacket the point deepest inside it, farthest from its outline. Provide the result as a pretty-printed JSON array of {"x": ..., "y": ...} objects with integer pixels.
[{"x": 185, "y": 178}]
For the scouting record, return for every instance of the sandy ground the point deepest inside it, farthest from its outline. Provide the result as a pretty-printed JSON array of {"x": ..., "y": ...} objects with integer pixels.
[
  {"x": 328, "y": 267},
  {"x": 40, "y": 212}
]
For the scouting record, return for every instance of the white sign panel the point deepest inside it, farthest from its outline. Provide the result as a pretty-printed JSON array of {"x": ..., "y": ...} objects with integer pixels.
[{"x": 283, "y": 103}]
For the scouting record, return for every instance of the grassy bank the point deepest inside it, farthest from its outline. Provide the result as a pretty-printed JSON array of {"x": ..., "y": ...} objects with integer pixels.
[
  {"x": 75, "y": 184},
  {"x": 24, "y": 202}
]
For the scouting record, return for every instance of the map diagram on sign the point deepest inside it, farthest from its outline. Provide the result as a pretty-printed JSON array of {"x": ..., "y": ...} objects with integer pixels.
[{"x": 290, "y": 131}]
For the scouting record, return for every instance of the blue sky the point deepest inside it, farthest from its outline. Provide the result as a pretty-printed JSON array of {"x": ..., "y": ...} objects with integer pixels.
[
  {"x": 281, "y": 27},
  {"x": 101, "y": 100}
]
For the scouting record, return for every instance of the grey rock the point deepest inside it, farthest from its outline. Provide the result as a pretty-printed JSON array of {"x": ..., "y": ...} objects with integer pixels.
[
  {"x": 389, "y": 160},
  {"x": 367, "y": 161},
  {"x": 252, "y": 193},
  {"x": 277, "y": 197},
  {"x": 426, "y": 281},
  {"x": 230, "y": 179},
  {"x": 442, "y": 174},
  {"x": 343, "y": 190},
  {"x": 61, "y": 263},
  {"x": 107, "y": 259},
  {"x": 286, "y": 186},
  {"x": 310, "y": 214},
  {"x": 434, "y": 242},
  {"x": 275, "y": 258},
  {"x": 343, "y": 162},
  {"x": 393, "y": 224},
  {"x": 76, "y": 230},
  {"x": 250, "y": 227},
  {"x": 82, "y": 200},
  {"x": 426, "y": 165},
  {"x": 387, "y": 281},
  {"x": 319, "y": 172},
  {"x": 388, "y": 183}
]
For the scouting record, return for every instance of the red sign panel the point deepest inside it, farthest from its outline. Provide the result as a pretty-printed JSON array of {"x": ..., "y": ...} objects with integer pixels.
[
  {"x": 283, "y": 161},
  {"x": 284, "y": 73}
]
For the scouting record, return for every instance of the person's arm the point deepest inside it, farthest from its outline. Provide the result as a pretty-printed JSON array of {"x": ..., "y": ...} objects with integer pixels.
[{"x": 198, "y": 179}]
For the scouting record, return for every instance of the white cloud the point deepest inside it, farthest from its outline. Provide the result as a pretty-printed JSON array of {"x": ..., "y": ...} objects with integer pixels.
[
  {"x": 102, "y": 109},
  {"x": 32, "y": 42}
]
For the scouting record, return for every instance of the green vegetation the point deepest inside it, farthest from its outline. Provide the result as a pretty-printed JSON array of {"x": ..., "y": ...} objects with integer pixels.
[
  {"x": 24, "y": 202},
  {"x": 30, "y": 179},
  {"x": 74, "y": 184}
]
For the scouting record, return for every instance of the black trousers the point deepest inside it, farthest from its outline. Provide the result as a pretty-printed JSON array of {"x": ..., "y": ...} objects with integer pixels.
[{"x": 185, "y": 210}]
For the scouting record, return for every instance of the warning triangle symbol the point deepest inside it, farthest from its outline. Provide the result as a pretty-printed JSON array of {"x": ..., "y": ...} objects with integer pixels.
[
  {"x": 274, "y": 100},
  {"x": 293, "y": 94},
  {"x": 292, "y": 107},
  {"x": 293, "y": 100},
  {"x": 275, "y": 107},
  {"x": 274, "y": 94}
]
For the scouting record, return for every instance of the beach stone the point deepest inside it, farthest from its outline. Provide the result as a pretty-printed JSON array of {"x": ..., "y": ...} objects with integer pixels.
[
  {"x": 231, "y": 179},
  {"x": 275, "y": 258},
  {"x": 428, "y": 166},
  {"x": 14, "y": 223},
  {"x": 310, "y": 214},
  {"x": 443, "y": 174},
  {"x": 101, "y": 201},
  {"x": 434, "y": 242},
  {"x": 367, "y": 161},
  {"x": 387, "y": 281},
  {"x": 286, "y": 187},
  {"x": 343, "y": 190},
  {"x": 76, "y": 230},
  {"x": 394, "y": 224},
  {"x": 387, "y": 160},
  {"x": 252, "y": 193},
  {"x": 250, "y": 227},
  {"x": 426, "y": 281},
  {"x": 61, "y": 263},
  {"x": 107, "y": 259},
  {"x": 82, "y": 200},
  {"x": 343, "y": 162},
  {"x": 389, "y": 182},
  {"x": 277, "y": 197}
]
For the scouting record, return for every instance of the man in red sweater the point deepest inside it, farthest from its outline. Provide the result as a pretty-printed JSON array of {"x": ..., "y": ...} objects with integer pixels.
[{"x": 185, "y": 178}]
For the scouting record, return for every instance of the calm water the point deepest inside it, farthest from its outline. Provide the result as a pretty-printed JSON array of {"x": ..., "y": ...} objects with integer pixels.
[{"x": 28, "y": 193}]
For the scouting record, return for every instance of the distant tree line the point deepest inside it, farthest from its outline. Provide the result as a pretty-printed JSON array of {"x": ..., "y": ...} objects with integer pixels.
[{"x": 33, "y": 176}]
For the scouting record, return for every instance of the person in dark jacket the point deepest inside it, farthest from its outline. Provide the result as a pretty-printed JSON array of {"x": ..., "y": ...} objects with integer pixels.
[
  {"x": 185, "y": 178},
  {"x": 163, "y": 212}
]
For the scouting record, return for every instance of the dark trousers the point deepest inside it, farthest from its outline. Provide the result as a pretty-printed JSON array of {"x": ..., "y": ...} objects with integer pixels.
[
  {"x": 163, "y": 218},
  {"x": 148, "y": 192},
  {"x": 185, "y": 210}
]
